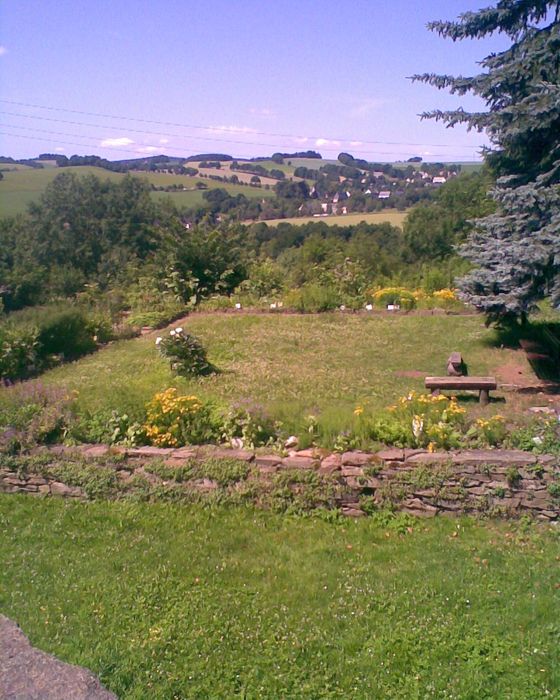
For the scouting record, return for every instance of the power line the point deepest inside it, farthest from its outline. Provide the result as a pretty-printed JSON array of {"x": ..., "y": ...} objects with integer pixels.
[
  {"x": 215, "y": 128},
  {"x": 171, "y": 148}
]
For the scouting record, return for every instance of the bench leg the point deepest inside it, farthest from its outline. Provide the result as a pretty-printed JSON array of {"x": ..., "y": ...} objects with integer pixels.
[
  {"x": 435, "y": 392},
  {"x": 484, "y": 396}
]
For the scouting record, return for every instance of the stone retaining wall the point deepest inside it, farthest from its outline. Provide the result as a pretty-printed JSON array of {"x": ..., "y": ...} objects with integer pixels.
[{"x": 506, "y": 483}]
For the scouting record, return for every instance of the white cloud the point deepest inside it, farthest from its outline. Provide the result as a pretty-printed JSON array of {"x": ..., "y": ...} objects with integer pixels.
[
  {"x": 300, "y": 140},
  {"x": 356, "y": 143},
  {"x": 147, "y": 149},
  {"x": 327, "y": 142},
  {"x": 59, "y": 149},
  {"x": 164, "y": 140},
  {"x": 3, "y": 50},
  {"x": 121, "y": 141}
]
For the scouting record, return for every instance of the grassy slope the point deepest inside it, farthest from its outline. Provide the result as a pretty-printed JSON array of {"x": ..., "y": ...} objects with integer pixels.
[
  {"x": 22, "y": 186},
  {"x": 294, "y": 365},
  {"x": 391, "y": 216},
  {"x": 166, "y": 601}
]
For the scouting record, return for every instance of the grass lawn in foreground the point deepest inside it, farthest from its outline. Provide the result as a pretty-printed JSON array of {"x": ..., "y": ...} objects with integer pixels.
[
  {"x": 168, "y": 601},
  {"x": 294, "y": 365}
]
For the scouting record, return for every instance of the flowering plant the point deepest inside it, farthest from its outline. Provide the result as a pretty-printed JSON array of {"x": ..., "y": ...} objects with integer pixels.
[
  {"x": 185, "y": 353},
  {"x": 423, "y": 420},
  {"x": 174, "y": 420}
]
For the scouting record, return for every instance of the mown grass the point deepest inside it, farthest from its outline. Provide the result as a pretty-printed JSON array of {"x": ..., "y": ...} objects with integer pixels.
[
  {"x": 293, "y": 365},
  {"x": 164, "y": 601},
  {"x": 391, "y": 216}
]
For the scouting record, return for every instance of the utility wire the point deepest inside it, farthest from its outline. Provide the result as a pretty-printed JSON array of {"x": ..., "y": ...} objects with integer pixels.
[
  {"x": 165, "y": 147},
  {"x": 218, "y": 128},
  {"x": 188, "y": 136}
]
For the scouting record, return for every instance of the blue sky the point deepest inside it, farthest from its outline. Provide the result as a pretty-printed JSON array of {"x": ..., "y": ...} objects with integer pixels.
[{"x": 244, "y": 77}]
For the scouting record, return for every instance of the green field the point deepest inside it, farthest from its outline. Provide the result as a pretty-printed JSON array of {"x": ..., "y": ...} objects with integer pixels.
[
  {"x": 392, "y": 216},
  {"x": 166, "y": 601},
  {"x": 22, "y": 186},
  {"x": 293, "y": 365}
]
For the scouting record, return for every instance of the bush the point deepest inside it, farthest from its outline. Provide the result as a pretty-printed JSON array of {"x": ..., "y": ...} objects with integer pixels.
[
  {"x": 398, "y": 296},
  {"x": 65, "y": 332},
  {"x": 173, "y": 420},
  {"x": 313, "y": 298},
  {"x": 19, "y": 352},
  {"x": 249, "y": 424},
  {"x": 35, "y": 414},
  {"x": 34, "y": 339},
  {"x": 185, "y": 353}
]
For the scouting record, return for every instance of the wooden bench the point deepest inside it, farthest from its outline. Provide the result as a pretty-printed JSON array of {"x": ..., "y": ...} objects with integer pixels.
[{"x": 482, "y": 384}]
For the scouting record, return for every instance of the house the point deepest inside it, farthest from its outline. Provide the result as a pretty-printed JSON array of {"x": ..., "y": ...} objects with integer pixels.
[
  {"x": 439, "y": 180},
  {"x": 384, "y": 194}
]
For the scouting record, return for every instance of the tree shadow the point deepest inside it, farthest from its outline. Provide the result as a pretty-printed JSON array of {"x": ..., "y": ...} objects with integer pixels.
[
  {"x": 540, "y": 340},
  {"x": 473, "y": 398}
]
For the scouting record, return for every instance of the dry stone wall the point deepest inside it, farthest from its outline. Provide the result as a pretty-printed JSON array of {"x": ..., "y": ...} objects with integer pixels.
[{"x": 506, "y": 483}]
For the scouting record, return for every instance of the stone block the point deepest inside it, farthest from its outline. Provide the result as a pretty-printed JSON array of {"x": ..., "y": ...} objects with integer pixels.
[
  {"x": 300, "y": 463},
  {"x": 351, "y": 471},
  {"x": 185, "y": 453},
  {"x": 331, "y": 464},
  {"x": 36, "y": 480},
  {"x": 428, "y": 458},
  {"x": 507, "y": 458},
  {"x": 96, "y": 451},
  {"x": 267, "y": 460},
  {"x": 14, "y": 481},
  {"x": 227, "y": 453},
  {"x": 357, "y": 459},
  {"x": 353, "y": 512},
  {"x": 150, "y": 451},
  {"x": 57, "y": 488},
  {"x": 417, "y": 507},
  {"x": 390, "y": 455}
]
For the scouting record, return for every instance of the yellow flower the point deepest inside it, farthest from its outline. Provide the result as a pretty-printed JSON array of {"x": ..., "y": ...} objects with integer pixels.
[{"x": 358, "y": 410}]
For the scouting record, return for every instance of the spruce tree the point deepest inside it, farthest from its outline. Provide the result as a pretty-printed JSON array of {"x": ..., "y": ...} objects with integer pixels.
[{"x": 516, "y": 250}]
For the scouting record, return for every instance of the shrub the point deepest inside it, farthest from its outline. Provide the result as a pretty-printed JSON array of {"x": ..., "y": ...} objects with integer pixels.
[
  {"x": 313, "y": 298},
  {"x": 421, "y": 420},
  {"x": 174, "y": 420},
  {"x": 185, "y": 353},
  {"x": 35, "y": 413},
  {"x": 394, "y": 295},
  {"x": 19, "y": 352},
  {"x": 248, "y": 424},
  {"x": 488, "y": 432}
]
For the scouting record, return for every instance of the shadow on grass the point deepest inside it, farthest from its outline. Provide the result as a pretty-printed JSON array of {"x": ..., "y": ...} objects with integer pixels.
[
  {"x": 473, "y": 398},
  {"x": 540, "y": 341}
]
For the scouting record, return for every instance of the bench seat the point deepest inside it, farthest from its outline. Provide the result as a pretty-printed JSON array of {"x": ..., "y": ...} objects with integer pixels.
[{"x": 482, "y": 384}]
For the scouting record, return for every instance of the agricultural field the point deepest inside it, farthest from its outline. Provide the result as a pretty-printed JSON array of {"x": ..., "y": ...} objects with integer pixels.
[
  {"x": 298, "y": 365},
  {"x": 25, "y": 185},
  {"x": 170, "y": 601},
  {"x": 391, "y": 216}
]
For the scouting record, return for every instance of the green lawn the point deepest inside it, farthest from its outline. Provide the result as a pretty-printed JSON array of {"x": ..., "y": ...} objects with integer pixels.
[
  {"x": 292, "y": 364},
  {"x": 169, "y": 601}
]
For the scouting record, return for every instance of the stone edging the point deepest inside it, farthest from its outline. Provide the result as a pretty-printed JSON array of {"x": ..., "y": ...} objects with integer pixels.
[{"x": 497, "y": 482}]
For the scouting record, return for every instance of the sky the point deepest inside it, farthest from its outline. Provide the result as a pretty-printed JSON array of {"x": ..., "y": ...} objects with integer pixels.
[{"x": 123, "y": 78}]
